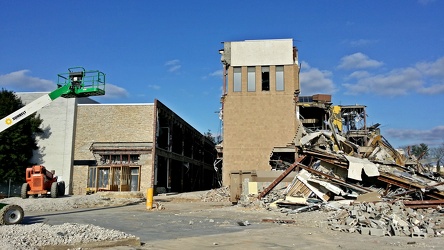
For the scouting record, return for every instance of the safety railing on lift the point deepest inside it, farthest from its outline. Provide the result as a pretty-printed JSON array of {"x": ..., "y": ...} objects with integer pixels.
[{"x": 82, "y": 83}]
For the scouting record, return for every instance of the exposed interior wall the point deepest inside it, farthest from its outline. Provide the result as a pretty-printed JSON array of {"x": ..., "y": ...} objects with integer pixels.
[{"x": 184, "y": 157}]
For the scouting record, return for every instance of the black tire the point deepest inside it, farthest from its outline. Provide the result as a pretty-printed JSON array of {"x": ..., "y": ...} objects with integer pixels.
[
  {"x": 11, "y": 214},
  {"x": 61, "y": 188},
  {"x": 24, "y": 192},
  {"x": 54, "y": 190}
]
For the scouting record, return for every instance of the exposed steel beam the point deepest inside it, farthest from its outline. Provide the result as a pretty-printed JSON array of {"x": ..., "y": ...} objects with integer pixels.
[{"x": 281, "y": 177}]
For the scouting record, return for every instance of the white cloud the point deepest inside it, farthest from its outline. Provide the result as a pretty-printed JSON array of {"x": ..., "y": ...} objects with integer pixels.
[
  {"x": 358, "y": 61},
  {"x": 173, "y": 65},
  {"x": 217, "y": 73},
  {"x": 396, "y": 82},
  {"x": 155, "y": 87},
  {"x": 433, "y": 69},
  {"x": 359, "y": 74},
  {"x": 114, "y": 92},
  {"x": 430, "y": 137},
  {"x": 19, "y": 81},
  {"x": 432, "y": 90},
  {"x": 315, "y": 81},
  {"x": 433, "y": 74},
  {"x": 424, "y": 78},
  {"x": 172, "y": 62}
]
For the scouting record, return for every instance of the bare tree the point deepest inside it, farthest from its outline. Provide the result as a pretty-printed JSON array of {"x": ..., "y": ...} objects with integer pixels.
[{"x": 438, "y": 154}]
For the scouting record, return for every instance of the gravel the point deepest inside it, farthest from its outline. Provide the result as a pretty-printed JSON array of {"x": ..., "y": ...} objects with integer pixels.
[
  {"x": 69, "y": 202},
  {"x": 17, "y": 236}
]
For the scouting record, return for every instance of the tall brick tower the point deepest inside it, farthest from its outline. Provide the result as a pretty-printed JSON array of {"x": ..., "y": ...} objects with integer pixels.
[{"x": 261, "y": 80}]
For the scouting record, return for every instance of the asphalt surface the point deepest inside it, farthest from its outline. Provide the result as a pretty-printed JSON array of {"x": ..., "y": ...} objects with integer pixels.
[
  {"x": 178, "y": 220},
  {"x": 202, "y": 225}
]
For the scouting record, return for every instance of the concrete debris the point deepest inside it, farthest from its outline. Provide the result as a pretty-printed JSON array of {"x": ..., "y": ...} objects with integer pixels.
[
  {"x": 279, "y": 221},
  {"x": 387, "y": 219},
  {"x": 216, "y": 195},
  {"x": 341, "y": 158},
  {"x": 243, "y": 223},
  {"x": 158, "y": 206},
  {"x": 63, "y": 236},
  {"x": 67, "y": 235}
]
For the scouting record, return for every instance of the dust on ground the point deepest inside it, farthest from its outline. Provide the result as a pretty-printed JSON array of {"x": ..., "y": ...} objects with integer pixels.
[{"x": 263, "y": 229}]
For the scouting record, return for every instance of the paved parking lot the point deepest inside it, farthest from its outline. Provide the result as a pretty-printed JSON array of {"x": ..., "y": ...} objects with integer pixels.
[{"x": 197, "y": 225}]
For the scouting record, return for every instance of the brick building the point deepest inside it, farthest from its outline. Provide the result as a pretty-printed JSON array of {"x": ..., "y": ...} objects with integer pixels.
[
  {"x": 131, "y": 147},
  {"x": 56, "y": 142},
  {"x": 261, "y": 81},
  {"x": 121, "y": 147}
]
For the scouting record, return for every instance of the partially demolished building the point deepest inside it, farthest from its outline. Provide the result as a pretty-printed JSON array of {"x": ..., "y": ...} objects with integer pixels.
[
  {"x": 338, "y": 155},
  {"x": 332, "y": 150},
  {"x": 258, "y": 107}
]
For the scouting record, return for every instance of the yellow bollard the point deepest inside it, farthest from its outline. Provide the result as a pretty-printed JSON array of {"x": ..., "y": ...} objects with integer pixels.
[{"x": 149, "y": 198}]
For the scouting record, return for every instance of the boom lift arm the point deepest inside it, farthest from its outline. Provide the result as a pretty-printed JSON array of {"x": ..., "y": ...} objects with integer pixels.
[{"x": 76, "y": 83}]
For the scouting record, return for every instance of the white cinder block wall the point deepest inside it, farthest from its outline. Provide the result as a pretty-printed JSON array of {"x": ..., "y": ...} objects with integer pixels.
[{"x": 56, "y": 145}]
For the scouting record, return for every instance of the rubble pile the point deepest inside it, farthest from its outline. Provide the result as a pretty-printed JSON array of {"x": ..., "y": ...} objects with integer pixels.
[
  {"x": 65, "y": 236},
  {"x": 216, "y": 195},
  {"x": 273, "y": 196},
  {"x": 385, "y": 219},
  {"x": 335, "y": 165},
  {"x": 339, "y": 157},
  {"x": 250, "y": 201}
]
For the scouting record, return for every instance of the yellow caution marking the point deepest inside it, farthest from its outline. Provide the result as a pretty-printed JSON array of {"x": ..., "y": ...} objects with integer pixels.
[{"x": 8, "y": 121}]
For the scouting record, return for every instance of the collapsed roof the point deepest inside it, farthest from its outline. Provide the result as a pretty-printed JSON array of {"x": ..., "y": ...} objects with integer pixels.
[{"x": 337, "y": 154}]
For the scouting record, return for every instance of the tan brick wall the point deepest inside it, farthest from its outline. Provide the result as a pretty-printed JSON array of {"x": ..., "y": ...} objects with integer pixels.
[
  {"x": 146, "y": 172},
  {"x": 255, "y": 122},
  {"x": 79, "y": 180},
  {"x": 111, "y": 123}
]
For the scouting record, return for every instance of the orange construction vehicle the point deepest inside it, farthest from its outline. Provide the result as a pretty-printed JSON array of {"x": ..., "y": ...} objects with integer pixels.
[
  {"x": 78, "y": 82},
  {"x": 43, "y": 182}
]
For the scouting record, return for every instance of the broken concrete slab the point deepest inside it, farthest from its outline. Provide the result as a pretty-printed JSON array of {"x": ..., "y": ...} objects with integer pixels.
[
  {"x": 369, "y": 197},
  {"x": 356, "y": 165}
]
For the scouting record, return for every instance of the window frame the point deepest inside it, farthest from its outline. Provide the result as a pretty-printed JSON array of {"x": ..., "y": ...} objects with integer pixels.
[
  {"x": 237, "y": 79},
  {"x": 280, "y": 80},
  {"x": 251, "y": 79},
  {"x": 265, "y": 78},
  {"x": 112, "y": 173}
]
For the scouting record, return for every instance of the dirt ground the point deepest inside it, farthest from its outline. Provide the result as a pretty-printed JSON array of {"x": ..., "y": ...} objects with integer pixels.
[
  {"x": 307, "y": 232},
  {"x": 301, "y": 231},
  {"x": 186, "y": 222}
]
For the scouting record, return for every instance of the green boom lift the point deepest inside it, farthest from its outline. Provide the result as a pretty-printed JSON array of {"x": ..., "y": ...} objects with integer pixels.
[{"x": 77, "y": 82}]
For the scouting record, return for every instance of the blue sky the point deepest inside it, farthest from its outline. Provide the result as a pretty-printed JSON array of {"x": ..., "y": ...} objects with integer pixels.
[{"x": 387, "y": 55}]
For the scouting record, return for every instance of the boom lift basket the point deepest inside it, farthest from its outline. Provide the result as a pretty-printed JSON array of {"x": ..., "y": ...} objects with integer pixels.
[{"x": 82, "y": 83}]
